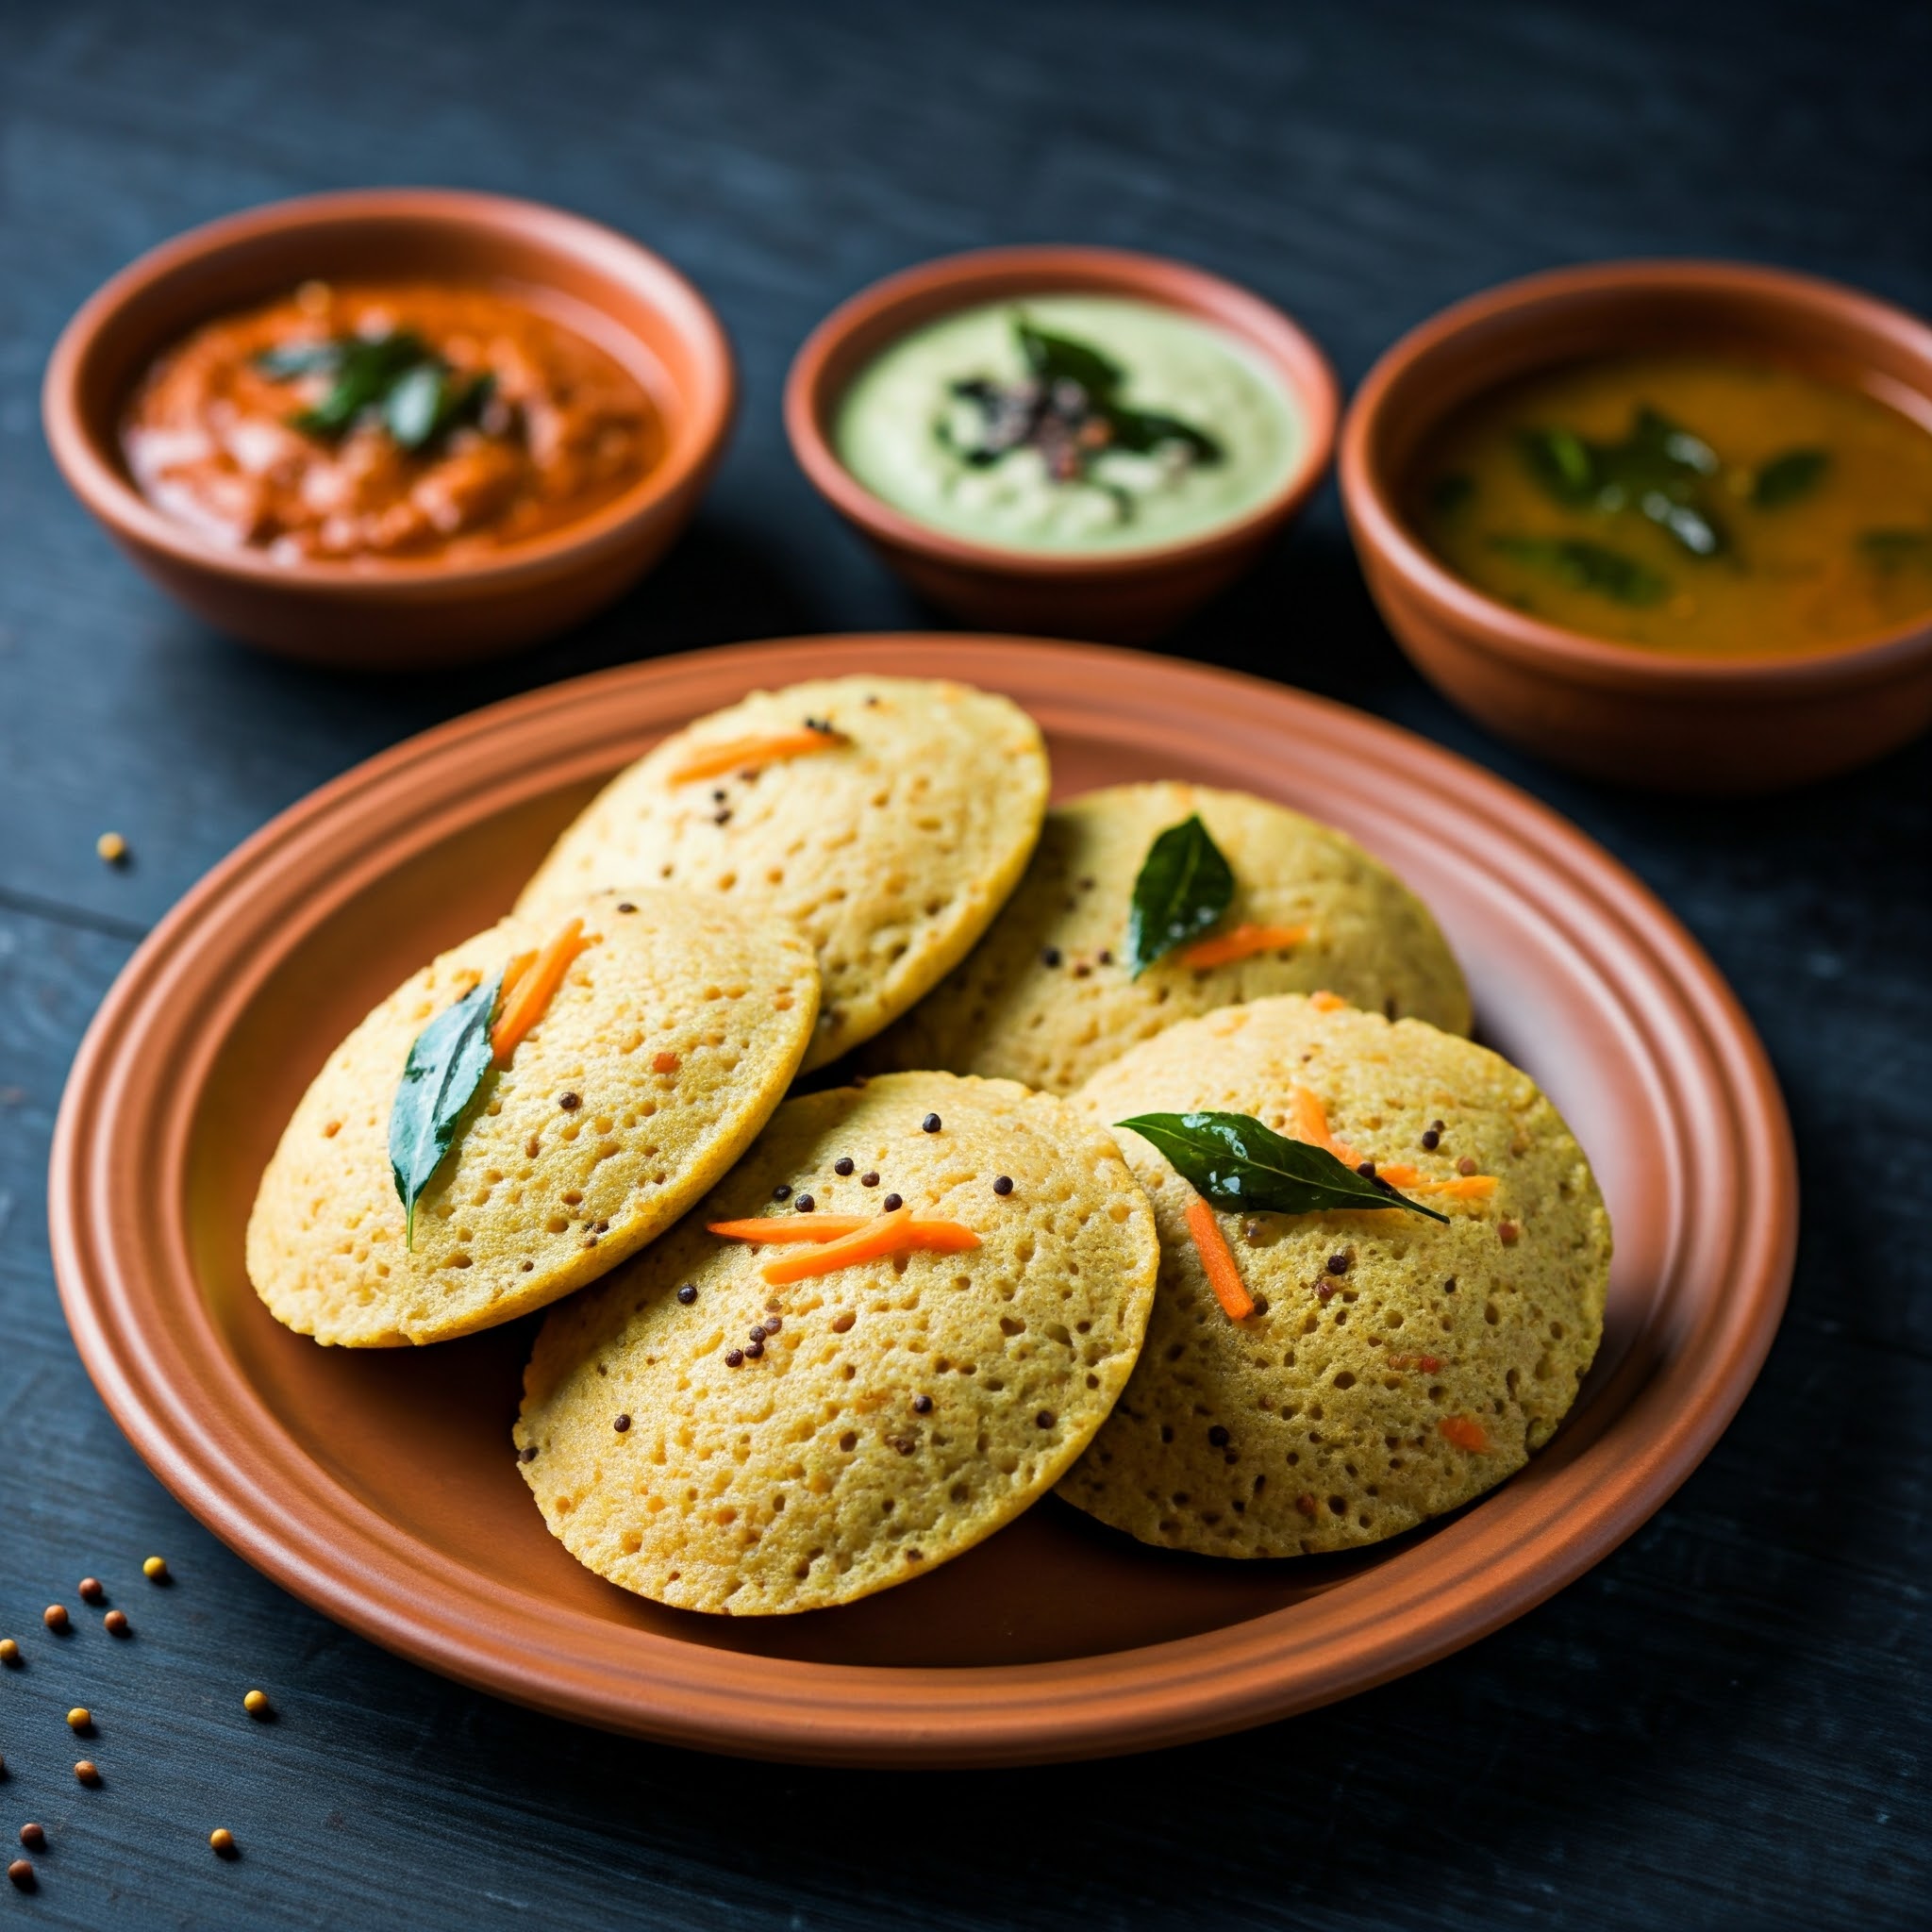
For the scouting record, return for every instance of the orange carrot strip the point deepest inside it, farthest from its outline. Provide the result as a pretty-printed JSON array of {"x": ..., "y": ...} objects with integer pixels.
[
  {"x": 1217, "y": 1257},
  {"x": 714, "y": 761},
  {"x": 1310, "y": 1124},
  {"x": 1241, "y": 942},
  {"x": 791, "y": 1227},
  {"x": 1327, "y": 1002},
  {"x": 534, "y": 991},
  {"x": 1465, "y": 1432},
  {"x": 512, "y": 972},
  {"x": 1465, "y": 1187},
  {"x": 896, "y": 1233}
]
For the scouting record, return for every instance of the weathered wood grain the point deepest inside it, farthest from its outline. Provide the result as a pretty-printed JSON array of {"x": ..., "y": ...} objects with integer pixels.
[{"x": 1725, "y": 1724}]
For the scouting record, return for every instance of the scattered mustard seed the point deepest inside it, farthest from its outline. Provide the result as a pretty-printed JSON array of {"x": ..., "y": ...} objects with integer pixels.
[
  {"x": 155, "y": 1568},
  {"x": 87, "y": 1771},
  {"x": 9, "y": 1651},
  {"x": 112, "y": 847},
  {"x": 33, "y": 1837},
  {"x": 22, "y": 1873},
  {"x": 115, "y": 1623},
  {"x": 256, "y": 1704},
  {"x": 90, "y": 1591},
  {"x": 55, "y": 1616},
  {"x": 80, "y": 1719},
  {"x": 223, "y": 1842}
]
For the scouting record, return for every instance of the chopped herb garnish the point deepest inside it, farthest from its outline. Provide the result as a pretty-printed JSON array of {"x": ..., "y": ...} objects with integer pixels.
[
  {"x": 1068, "y": 406},
  {"x": 1185, "y": 885},
  {"x": 396, "y": 379},
  {"x": 1587, "y": 566},
  {"x": 1234, "y": 1160},
  {"x": 1889, "y": 549},
  {"x": 1656, "y": 470},
  {"x": 446, "y": 1067},
  {"x": 1786, "y": 477}
]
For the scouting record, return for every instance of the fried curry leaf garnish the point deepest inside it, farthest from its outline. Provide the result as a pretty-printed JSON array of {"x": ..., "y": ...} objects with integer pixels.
[
  {"x": 396, "y": 379},
  {"x": 1234, "y": 1160},
  {"x": 1788, "y": 477},
  {"x": 1068, "y": 406},
  {"x": 1658, "y": 471},
  {"x": 446, "y": 1065},
  {"x": 1185, "y": 885}
]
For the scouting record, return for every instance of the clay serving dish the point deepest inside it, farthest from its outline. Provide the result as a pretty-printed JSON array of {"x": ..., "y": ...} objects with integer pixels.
[
  {"x": 1674, "y": 723},
  {"x": 381, "y": 1485},
  {"x": 1129, "y": 597},
  {"x": 382, "y": 614}
]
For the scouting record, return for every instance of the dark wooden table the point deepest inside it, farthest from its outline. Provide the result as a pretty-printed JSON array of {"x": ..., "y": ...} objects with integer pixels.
[{"x": 1728, "y": 1722}]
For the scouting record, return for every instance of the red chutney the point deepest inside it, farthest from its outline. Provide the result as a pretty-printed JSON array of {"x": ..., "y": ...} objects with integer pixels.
[{"x": 556, "y": 428}]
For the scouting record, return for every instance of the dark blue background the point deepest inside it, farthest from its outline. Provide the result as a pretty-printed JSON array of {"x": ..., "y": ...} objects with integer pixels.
[{"x": 1727, "y": 1723}]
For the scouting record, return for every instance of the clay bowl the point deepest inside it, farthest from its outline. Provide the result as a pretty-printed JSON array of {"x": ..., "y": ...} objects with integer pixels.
[
  {"x": 1125, "y": 598},
  {"x": 1677, "y": 723},
  {"x": 382, "y": 614},
  {"x": 381, "y": 1486}
]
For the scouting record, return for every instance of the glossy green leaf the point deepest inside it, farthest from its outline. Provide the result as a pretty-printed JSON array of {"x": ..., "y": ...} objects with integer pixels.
[
  {"x": 1234, "y": 1160},
  {"x": 1184, "y": 886},
  {"x": 1058, "y": 358},
  {"x": 1786, "y": 477},
  {"x": 447, "y": 1062}
]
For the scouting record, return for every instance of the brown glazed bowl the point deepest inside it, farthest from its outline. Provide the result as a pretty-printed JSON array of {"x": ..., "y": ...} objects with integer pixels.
[
  {"x": 1674, "y": 724},
  {"x": 381, "y": 1485},
  {"x": 1124, "y": 598},
  {"x": 404, "y": 614}
]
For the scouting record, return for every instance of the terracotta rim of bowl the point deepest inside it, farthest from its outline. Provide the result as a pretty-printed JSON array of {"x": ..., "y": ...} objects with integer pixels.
[
  {"x": 866, "y": 323},
  {"x": 97, "y": 478},
  {"x": 1370, "y": 494},
  {"x": 118, "y": 1224}
]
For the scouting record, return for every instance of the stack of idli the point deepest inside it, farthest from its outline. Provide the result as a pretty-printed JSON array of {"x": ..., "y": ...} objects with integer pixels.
[{"x": 811, "y": 1343}]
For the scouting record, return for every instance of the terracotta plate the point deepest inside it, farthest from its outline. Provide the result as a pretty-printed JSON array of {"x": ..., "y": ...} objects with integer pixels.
[{"x": 380, "y": 1488}]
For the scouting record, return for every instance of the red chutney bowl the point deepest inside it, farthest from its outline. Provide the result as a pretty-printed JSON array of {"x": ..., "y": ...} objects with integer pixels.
[
  {"x": 402, "y": 613},
  {"x": 1687, "y": 724},
  {"x": 1121, "y": 596}
]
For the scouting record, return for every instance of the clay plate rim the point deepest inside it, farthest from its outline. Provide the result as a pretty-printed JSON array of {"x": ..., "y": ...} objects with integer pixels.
[
  {"x": 118, "y": 1229},
  {"x": 1785, "y": 299}
]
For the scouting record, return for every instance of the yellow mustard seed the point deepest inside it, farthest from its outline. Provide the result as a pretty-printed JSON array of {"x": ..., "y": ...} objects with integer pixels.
[
  {"x": 55, "y": 1616},
  {"x": 80, "y": 1718},
  {"x": 112, "y": 847},
  {"x": 223, "y": 1842},
  {"x": 155, "y": 1568},
  {"x": 256, "y": 1704},
  {"x": 9, "y": 1651}
]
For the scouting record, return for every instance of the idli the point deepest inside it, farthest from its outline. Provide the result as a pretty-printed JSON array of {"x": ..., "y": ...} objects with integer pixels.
[
  {"x": 888, "y": 817},
  {"x": 1050, "y": 995},
  {"x": 742, "y": 1422},
  {"x": 1392, "y": 1366},
  {"x": 657, "y": 1032}
]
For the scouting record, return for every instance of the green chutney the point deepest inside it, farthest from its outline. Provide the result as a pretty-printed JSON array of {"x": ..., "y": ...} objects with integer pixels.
[{"x": 980, "y": 426}]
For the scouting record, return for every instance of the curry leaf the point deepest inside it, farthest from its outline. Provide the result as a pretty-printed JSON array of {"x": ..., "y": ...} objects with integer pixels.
[
  {"x": 1587, "y": 566},
  {"x": 1184, "y": 886},
  {"x": 1052, "y": 359},
  {"x": 414, "y": 404},
  {"x": 446, "y": 1065},
  {"x": 1141, "y": 430},
  {"x": 1890, "y": 548},
  {"x": 1656, "y": 470},
  {"x": 1235, "y": 1160},
  {"x": 1786, "y": 477}
]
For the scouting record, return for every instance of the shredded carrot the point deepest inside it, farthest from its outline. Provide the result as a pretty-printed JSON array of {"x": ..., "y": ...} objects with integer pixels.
[
  {"x": 1309, "y": 1122},
  {"x": 1324, "y": 1002},
  {"x": 1217, "y": 1257},
  {"x": 514, "y": 971},
  {"x": 664, "y": 1063},
  {"x": 1241, "y": 942},
  {"x": 791, "y": 1227},
  {"x": 896, "y": 1233},
  {"x": 535, "y": 988},
  {"x": 749, "y": 753},
  {"x": 1465, "y": 1432}
]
